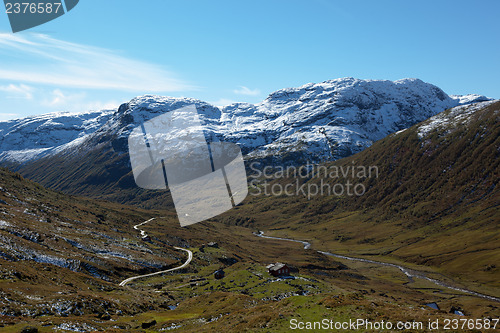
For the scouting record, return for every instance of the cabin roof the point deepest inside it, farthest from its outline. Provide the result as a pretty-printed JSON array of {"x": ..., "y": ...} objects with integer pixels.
[{"x": 276, "y": 266}]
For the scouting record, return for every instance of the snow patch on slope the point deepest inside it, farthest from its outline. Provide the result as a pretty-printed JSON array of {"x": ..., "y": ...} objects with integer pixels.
[
  {"x": 450, "y": 119},
  {"x": 22, "y": 140},
  {"x": 469, "y": 99}
]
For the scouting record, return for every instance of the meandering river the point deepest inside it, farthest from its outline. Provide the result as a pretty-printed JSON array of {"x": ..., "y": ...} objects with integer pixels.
[{"x": 410, "y": 273}]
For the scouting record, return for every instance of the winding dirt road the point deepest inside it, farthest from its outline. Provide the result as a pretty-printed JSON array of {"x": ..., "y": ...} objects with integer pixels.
[
  {"x": 410, "y": 273},
  {"x": 143, "y": 234}
]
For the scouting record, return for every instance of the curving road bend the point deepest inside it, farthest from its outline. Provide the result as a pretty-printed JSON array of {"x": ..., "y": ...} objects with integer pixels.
[
  {"x": 143, "y": 234},
  {"x": 410, "y": 273}
]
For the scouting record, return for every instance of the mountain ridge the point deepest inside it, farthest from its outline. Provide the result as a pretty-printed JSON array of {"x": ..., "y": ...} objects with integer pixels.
[
  {"x": 322, "y": 121},
  {"x": 314, "y": 123}
]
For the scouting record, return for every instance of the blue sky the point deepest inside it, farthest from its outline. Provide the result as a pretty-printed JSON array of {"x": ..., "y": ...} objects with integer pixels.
[{"x": 103, "y": 53}]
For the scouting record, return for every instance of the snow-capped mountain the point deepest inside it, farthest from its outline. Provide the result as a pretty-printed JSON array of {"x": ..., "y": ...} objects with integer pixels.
[
  {"x": 22, "y": 140},
  {"x": 315, "y": 122}
]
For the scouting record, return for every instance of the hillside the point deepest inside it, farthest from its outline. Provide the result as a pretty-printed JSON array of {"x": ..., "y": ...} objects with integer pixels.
[
  {"x": 435, "y": 201},
  {"x": 62, "y": 258}
]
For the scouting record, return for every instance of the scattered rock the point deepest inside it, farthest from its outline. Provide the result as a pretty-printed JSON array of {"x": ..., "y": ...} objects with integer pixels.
[
  {"x": 228, "y": 261},
  {"x": 148, "y": 324},
  {"x": 219, "y": 274},
  {"x": 457, "y": 310},
  {"x": 105, "y": 316},
  {"x": 213, "y": 244},
  {"x": 123, "y": 326}
]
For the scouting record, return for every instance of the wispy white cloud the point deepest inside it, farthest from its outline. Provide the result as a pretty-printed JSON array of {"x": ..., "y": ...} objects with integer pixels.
[
  {"x": 59, "y": 99},
  {"x": 50, "y": 61},
  {"x": 75, "y": 102},
  {"x": 18, "y": 91},
  {"x": 246, "y": 91}
]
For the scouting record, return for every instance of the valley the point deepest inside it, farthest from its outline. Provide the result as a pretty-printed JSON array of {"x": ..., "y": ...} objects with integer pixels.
[
  {"x": 410, "y": 273},
  {"x": 86, "y": 250},
  {"x": 191, "y": 296}
]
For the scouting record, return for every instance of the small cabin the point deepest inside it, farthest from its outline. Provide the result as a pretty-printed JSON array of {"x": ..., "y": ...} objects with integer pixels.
[
  {"x": 219, "y": 274},
  {"x": 278, "y": 269}
]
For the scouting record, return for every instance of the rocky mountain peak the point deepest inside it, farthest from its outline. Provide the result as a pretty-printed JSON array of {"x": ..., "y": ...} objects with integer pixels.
[{"x": 314, "y": 122}]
